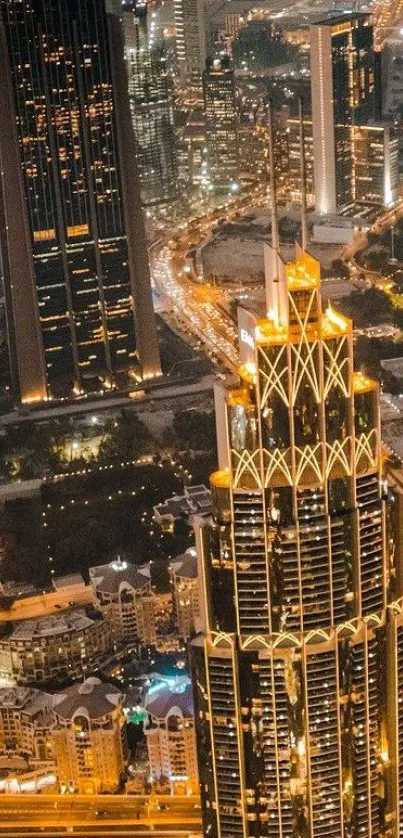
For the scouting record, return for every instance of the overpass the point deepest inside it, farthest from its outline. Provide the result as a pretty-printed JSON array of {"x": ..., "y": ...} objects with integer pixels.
[{"x": 94, "y": 815}]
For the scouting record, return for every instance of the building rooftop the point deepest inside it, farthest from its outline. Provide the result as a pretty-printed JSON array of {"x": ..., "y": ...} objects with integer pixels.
[
  {"x": 17, "y": 589},
  {"x": 54, "y": 624},
  {"x": 185, "y": 565},
  {"x": 195, "y": 500},
  {"x": 108, "y": 578},
  {"x": 19, "y": 697},
  {"x": 92, "y": 698},
  {"x": 170, "y": 696},
  {"x": 67, "y": 581},
  {"x": 344, "y": 17},
  {"x": 34, "y": 703}
]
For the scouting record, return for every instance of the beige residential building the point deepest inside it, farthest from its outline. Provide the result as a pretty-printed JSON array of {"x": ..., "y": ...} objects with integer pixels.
[
  {"x": 124, "y": 595},
  {"x": 89, "y": 740},
  {"x": 170, "y": 735},
  {"x": 58, "y": 646},
  {"x": 26, "y": 716},
  {"x": 185, "y": 593}
]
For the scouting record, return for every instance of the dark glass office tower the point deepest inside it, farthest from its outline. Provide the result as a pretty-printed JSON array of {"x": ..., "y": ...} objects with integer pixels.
[
  {"x": 150, "y": 94},
  {"x": 345, "y": 92},
  {"x": 74, "y": 207},
  {"x": 298, "y": 678},
  {"x": 221, "y": 115}
]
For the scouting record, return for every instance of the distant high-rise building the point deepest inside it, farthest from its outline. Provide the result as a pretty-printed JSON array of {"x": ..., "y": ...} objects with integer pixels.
[
  {"x": 190, "y": 38},
  {"x": 298, "y": 678},
  {"x": 293, "y": 176},
  {"x": 75, "y": 264},
  {"x": 293, "y": 185},
  {"x": 150, "y": 95},
  {"x": 376, "y": 151},
  {"x": 392, "y": 78},
  {"x": 221, "y": 115},
  {"x": 345, "y": 93}
]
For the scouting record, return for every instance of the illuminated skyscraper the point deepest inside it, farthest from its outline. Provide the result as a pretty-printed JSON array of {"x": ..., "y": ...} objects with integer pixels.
[
  {"x": 221, "y": 115},
  {"x": 345, "y": 92},
  {"x": 74, "y": 252},
  {"x": 298, "y": 678},
  {"x": 190, "y": 38},
  {"x": 152, "y": 110}
]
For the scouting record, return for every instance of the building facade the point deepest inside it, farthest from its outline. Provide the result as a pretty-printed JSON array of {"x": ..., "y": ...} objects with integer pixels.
[
  {"x": 89, "y": 737},
  {"x": 293, "y": 176},
  {"x": 150, "y": 93},
  {"x": 376, "y": 151},
  {"x": 345, "y": 92},
  {"x": 191, "y": 149},
  {"x": 170, "y": 734},
  {"x": 185, "y": 593},
  {"x": 26, "y": 717},
  {"x": 221, "y": 117},
  {"x": 298, "y": 677},
  {"x": 190, "y": 39},
  {"x": 75, "y": 263},
  {"x": 124, "y": 595},
  {"x": 52, "y": 648}
]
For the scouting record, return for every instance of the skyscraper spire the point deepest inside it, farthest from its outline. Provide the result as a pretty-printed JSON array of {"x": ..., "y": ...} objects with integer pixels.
[
  {"x": 273, "y": 190},
  {"x": 273, "y": 264},
  {"x": 304, "y": 219}
]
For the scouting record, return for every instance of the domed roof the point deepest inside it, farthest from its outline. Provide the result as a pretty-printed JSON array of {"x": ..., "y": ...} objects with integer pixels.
[
  {"x": 108, "y": 578},
  {"x": 185, "y": 565},
  {"x": 169, "y": 696},
  {"x": 93, "y": 698}
]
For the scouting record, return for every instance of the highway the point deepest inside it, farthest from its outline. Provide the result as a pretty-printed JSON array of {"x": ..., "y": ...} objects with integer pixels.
[
  {"x": 195, "y": 308},
  {"x": 140, "y": 398},
  {"x": 99, "y": 814},
  {"x": 48, "y": 602}
]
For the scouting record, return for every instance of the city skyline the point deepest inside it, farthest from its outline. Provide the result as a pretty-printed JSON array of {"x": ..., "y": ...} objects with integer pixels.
[{"x": 201, "y": 449}]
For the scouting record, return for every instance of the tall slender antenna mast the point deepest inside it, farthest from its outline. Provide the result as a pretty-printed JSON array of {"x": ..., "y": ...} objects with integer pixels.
[
  {"x": 304, "y": 218},
  {"x": 273, "y": 191}
]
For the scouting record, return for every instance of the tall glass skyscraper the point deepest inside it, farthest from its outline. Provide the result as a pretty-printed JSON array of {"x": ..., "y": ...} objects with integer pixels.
[
  {"x": 190, "y": 29},
  {"x": 221, "y": 115},
  {"x": 298, "y": 678},
  {"x": 345, "y": 92},
  {"x": 151, "y": 105},
  {"x": 74, "y": 250}
]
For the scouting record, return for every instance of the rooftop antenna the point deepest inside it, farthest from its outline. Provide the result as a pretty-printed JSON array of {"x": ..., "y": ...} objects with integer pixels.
[
  {"x": 275, "y": 239},
  {"x": 304, "y": 218}
]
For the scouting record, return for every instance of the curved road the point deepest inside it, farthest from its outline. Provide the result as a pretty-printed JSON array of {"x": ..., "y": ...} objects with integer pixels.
[{"x": 195, "y": 308}]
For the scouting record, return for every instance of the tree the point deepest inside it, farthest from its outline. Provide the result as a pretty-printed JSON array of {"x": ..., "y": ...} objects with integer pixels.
[
  {"x": 339, "y": 268},
  {"x": 127, "y": 438},
  {"x": 368, "y": 307}
]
